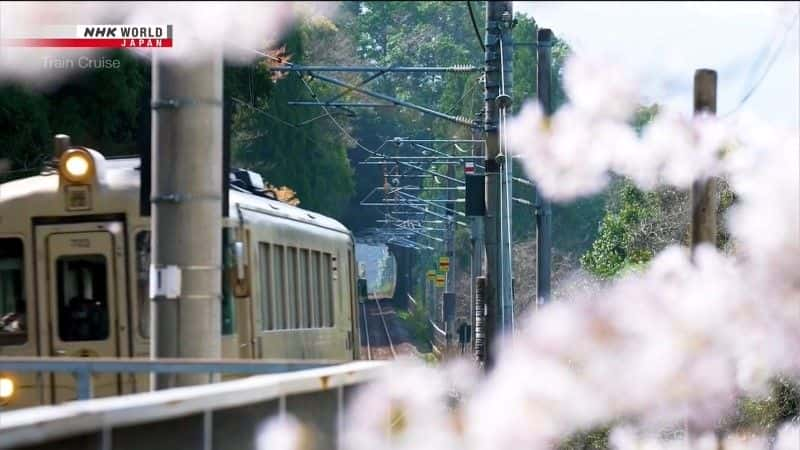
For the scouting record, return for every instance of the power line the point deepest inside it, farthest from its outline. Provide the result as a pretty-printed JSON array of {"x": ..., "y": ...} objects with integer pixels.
[
  {"x": 460, "y": 100},
  {"x": 475, "y": 26},
  {"x": 279, "y": 120},
  {"x": 335, "y": 122},
  {"x": 264, "y": 112},
  {"x": 767, "y": 70}
]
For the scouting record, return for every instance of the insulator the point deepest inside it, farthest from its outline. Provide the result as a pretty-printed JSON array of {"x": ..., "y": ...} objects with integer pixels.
[
  {"x": 462, "y": 68},
  {"x": 463, "y": 120}
]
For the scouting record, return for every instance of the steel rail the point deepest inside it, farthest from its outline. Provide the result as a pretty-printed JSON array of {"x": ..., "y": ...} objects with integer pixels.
[
  {"x": 386, "y": 328},
  {"x": 366, "y": 329}
]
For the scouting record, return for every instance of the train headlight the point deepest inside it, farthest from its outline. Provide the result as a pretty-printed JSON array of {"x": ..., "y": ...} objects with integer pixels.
[
  {"x": 6, "y": 389},
  {"x": 76, "y": 165}
]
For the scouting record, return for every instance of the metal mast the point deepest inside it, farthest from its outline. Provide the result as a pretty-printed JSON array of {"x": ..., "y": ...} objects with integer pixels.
[{"x": 498, "y": 59}]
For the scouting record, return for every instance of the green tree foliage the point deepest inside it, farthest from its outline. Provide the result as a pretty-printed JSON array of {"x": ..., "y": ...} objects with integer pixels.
[
  {"x": 105, "y": 109},
  {"x": 437, "y": 34},
  {"x": 415, "y": 34},
  {"x": 636, "y": 224},
  {"x": 24, "y": 129},
  {"x": 283, "y": 142},
  {"x": 109, "y": 110},
  {"x": 616, "y": 246}
]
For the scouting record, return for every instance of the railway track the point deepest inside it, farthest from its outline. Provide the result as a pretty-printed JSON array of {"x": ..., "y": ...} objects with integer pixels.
[{"x": 376, "y": 334}]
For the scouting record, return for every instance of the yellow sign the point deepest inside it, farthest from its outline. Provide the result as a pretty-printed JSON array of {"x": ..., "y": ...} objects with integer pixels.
[
  {"x": 444, "y": 263},
  {"x": 431, "y": 275},
  {"x": 440, "y": 281}
]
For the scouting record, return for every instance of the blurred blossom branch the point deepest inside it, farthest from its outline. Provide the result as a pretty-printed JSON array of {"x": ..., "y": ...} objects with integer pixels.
[{"x": 633, "y": 353}]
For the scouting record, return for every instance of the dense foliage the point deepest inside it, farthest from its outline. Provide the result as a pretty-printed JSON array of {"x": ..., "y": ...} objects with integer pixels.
[
  {"x": 284, "y": 143},
  {"x": 636, "y": 226},
  {"x": 103, "y": 109}
]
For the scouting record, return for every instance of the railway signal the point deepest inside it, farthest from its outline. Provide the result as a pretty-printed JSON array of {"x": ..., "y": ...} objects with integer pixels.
[
  {"x": 469, "y": 168},
  {"x": 444, "y": 264}
]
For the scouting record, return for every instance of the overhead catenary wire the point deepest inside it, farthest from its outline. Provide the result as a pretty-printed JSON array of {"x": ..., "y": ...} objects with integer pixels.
[
  {"x": 466, "y": 93},
  {"x": 316, "y": 99},
  {"x": 333, "y": 119},
  {"x": 475, "y": 26},
  {"x": 327, "y": 112}
]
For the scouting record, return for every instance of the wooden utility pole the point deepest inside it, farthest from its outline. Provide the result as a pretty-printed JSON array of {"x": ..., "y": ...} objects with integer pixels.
[
  {"x": 544, "y": 240},
  {"x": 704, "y": 196},
  {"x": 186, "y": 224}
]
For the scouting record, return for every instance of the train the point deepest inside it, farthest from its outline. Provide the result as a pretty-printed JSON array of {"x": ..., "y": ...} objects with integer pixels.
[{"x": 75, "y": 265}]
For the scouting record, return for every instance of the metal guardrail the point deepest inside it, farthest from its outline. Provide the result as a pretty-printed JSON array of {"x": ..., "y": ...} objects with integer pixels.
[
  {"x": 220, "y": 416},
  {"x": 83, "y": 368}
]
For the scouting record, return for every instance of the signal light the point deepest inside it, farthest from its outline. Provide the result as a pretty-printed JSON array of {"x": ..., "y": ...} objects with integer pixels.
[{"x": 76, "y": 165}]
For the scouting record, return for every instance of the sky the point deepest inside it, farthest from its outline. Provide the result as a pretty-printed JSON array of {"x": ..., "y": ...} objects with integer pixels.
[{"x": 663, "y": 43}]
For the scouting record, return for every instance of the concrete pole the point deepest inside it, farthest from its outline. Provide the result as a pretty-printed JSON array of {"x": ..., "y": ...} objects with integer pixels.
[
  {"x": 704, "y": 198},
  {"x": 496, "y": 12},
  {"x": 186, "y": 222},
  {"x": 544, "y": 241}
]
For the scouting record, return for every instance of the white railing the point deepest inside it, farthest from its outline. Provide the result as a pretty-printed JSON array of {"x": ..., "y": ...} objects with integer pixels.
[{"x": 215, "y": 416}]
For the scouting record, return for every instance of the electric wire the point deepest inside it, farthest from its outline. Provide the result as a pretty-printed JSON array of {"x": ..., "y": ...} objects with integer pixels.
[
  {"x": 316, "y": 99},
  {"x": 320, "y": 104},
  {"x": 279, "y": 120},
  {"x": 767, "y": 70},
  {"x": 335, "y": 122},
  {"x": 466, "y": 93},
  {"x": 475, "y": 26}
]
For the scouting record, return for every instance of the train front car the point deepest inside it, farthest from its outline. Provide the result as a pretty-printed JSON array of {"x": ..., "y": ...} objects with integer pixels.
[{"x": 74, "y": 277}]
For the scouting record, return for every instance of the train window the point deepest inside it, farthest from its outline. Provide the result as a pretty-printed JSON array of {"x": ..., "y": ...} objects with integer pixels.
[
  {"x": 304, "y": 294},
  {"x": 279, "y": 278},
  {"x": 82, "y": 298},
  {"x": 316, "y": 319},
  {"x": 292, "y": 304},
  {"x": 142, "y": 282},
  {"x": 228, "y": 264},
  {"x": 266, "y": 287},
  {"x": 327, "y": 291},
  {"x": 351, "y": 288},
  {"x": 13, "y": 328}
]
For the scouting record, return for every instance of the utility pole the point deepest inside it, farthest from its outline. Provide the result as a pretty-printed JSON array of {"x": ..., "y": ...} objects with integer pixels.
[
  {"x": 476, "y": 261},
  {"x": 498, "y": 59},
  {"x": 448, "y": 298},
  {"x": 544, "y": 241},
  {"x": 704, "y": 199},
  {"x": 185, "y": 276}
]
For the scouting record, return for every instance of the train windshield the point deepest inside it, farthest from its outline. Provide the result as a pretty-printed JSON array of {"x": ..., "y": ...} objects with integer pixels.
[{"x": 12, "y": 293}]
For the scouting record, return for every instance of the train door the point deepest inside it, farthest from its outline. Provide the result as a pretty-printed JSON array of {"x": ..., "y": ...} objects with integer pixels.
[{"x": 82, "y": 282}]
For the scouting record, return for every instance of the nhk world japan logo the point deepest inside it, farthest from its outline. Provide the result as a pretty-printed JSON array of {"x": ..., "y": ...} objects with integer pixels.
[{"x": 95, "y": 36}]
